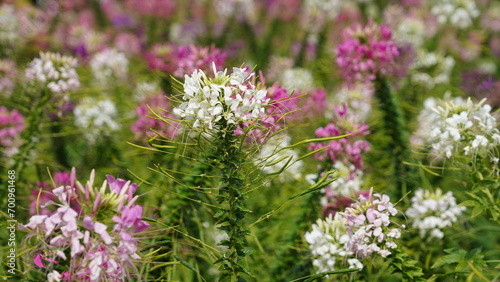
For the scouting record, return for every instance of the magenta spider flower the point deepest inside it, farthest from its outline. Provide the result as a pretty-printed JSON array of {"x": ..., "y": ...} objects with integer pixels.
[
  {"x": 347, "y": 150},
  {"x": 366, "y": 52}
]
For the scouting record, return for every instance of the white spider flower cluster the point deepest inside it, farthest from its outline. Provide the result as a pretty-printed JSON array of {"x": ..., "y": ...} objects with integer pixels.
[
  {"x": 433, "y": 211},
  {"x": 411, "y": 30},
  {"x": 53, "y": 71},
  {"x": 96, "y": 118},
  {"x": 274, "y": 154},
  {"x": 468, "y": 129},
  {"x": 428, "y": 117},
  {"x": 9, "y": 25},
  {"x": 109, "y": 65},
  {"x": 327, "y": 242},
  {"x": 231, "y": 97},
  {"x": 431, "y": 69},
  {"x": 459, "y": 13},
  {"x": 369, "y": 226},
  {"x": 297, "y": 79}
]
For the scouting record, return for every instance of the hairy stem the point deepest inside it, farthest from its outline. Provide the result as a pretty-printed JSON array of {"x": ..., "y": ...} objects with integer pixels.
[
  {"x": 396, "y": 128},
  {"x": 228, "y": 158}
]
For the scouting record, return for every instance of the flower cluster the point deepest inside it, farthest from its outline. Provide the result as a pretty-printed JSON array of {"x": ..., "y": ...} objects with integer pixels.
[
  {"x": 327, "y": 242},
  {"x": 459, "y": 13},
  {"x": 91, "y": 234},
  {"x": 109, "y": 65},
  {"x": 432, "y": 69},
  {"x": 148, "y": 120},
  {"x": 369, "y": 220},
  {"x": 431, "y": 212},
  {"x": 411, "y": 30},
  {"x": 348, "y": 149},
  {"x": 366, "y": 52},
  {"x": 297, "y": 79},
  {"x": 182, "y": 60},
  {"x": 428, "y": 117},
  {"x": 96, "y": 117},
  {"x": 231, "y": 97},
  {"x": 54, "y": 71},
  {"x": 468, "y": 129},
  {"x": 7, "y": 77},
  {"x": 11, "y": 126}
]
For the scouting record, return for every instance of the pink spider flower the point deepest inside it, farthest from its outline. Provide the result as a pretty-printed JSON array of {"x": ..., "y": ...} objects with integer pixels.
[
  {"x": 349, "y": 149},
  {"x": 11, "y": 126},
  {"x": 366, "y": 52},
  {"x": 100, "y": 237}
]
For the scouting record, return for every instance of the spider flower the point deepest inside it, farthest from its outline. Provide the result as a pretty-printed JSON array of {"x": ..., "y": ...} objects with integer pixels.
[
  {"x": 231, "y": 97},
  {"x": 369, "y": 226},
  {"x": 54, "y": 72},
  {"x": 431, "y": 212},
  {"x": 366, "y": 52},
  {"x": 98, "y": 241},
  {"x": 328, "y": 244},
  {"x": 11, "y": 126}
]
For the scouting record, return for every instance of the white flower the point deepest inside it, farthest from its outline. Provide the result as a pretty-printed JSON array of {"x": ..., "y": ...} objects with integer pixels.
[
  {"x": 327, "y": 242},
  {"x": 459, "y": 13},
  {"x": 109, "y": 65},
  {"x": 411, "y": 30},
  {"x": 433, "y": 211},
  {"x": 230, "y": 97},
  {"x": 431, "y": 69},
  {"x": 53, "y": 71},
  {"x": 369, "y": 222},
  {"x": 54, "y": 276},
  {"x": 96, "y": 117},
  {"x": 297, "y": 79},
  {"x": 463, "y": 127}
]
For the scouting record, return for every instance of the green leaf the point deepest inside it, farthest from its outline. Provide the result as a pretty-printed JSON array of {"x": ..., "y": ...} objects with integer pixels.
[
  {"x": 448, "y": 259},
  {"x": 245, "y": 251},
  {"x": 477, "y": 211},
  {"x": 185, "y": 263},
  {"x": 219, "y": 213},
  {"x": 469, "y": 203}
]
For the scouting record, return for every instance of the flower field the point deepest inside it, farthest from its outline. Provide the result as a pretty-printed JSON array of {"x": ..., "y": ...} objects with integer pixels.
[{"x": 250, "y": 140}]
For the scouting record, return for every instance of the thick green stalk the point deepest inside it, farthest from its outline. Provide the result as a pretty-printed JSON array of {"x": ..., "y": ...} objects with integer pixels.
[
  {"x": 228, "y": 159},
  {"x": 396, "y": 128},
  {"x": 32, "y": 131}
]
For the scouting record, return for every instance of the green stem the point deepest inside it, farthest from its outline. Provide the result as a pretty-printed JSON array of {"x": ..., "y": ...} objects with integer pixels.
[
  {"x": 228, "y": 158},
  {"x": 30, "y": 134},
  {"x": 396, "y": 128}
]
